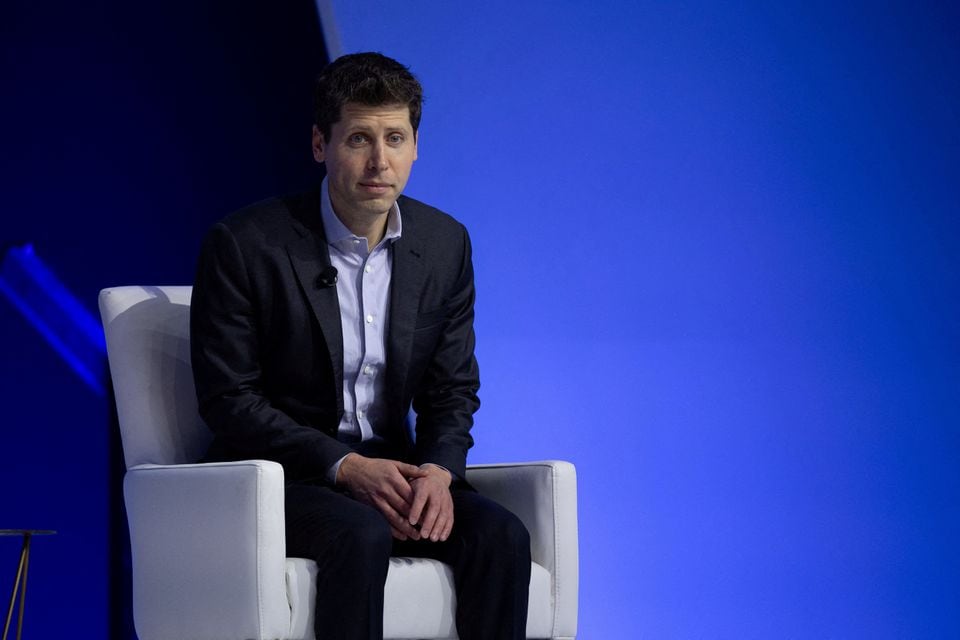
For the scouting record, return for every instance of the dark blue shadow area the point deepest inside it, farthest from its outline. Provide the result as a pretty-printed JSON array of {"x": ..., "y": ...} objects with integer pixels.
[{"x": 127, "y": 129}]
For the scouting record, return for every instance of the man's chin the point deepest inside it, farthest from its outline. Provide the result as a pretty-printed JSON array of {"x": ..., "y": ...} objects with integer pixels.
[{"x": 377, "y": 206}]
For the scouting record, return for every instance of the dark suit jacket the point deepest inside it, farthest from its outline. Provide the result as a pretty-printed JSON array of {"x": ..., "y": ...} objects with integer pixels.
[{"x": 267, "y": 346}]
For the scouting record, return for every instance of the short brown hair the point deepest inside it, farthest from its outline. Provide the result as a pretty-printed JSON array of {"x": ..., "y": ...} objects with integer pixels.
[{"x": 370, "y": 79}]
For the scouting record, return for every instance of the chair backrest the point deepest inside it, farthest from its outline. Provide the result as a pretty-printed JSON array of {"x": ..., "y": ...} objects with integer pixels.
[{"x": 148, "y": 347}]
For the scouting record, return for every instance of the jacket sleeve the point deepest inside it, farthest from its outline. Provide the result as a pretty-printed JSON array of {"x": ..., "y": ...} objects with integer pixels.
[
  {"x": 227, "y": 351},
  {"x": 446, "y": 397}
]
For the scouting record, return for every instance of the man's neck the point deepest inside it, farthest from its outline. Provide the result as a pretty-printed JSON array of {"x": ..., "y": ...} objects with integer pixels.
[
  {"x": 373, "y": 230},
  {"x": 370, "y": 226}
]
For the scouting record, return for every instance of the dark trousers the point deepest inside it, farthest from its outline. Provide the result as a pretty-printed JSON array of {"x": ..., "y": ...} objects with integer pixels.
[{"x": 488, "y": 550}]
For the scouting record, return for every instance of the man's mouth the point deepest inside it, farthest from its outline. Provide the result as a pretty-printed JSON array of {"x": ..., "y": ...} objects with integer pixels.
[{"x": 375, "y": 188}]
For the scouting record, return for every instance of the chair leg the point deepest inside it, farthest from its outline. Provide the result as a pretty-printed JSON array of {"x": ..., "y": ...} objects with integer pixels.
[{"x": 21, "y": 574}]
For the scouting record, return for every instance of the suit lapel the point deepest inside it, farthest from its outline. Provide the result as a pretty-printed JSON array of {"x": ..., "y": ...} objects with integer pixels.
[
  {"x": 406, "y": 284},
  {"x": 309, "y": 256}
]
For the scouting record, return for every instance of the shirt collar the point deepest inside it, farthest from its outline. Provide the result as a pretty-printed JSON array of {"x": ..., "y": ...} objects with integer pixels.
[{"x": 339, "y": 235}]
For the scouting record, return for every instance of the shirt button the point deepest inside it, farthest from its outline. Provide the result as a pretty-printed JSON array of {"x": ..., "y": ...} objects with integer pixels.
[
  {"x": 368, "y": 269},
  {"x": 360, "y": 414},
  {"x": 368, "y": 369},
  {"x": 369, "y": 319}
]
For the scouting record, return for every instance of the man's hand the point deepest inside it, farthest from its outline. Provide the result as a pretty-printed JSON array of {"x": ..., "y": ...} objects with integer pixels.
[
  {"x": 386, "y": 486},
  {"x": 432, "y": 505}
]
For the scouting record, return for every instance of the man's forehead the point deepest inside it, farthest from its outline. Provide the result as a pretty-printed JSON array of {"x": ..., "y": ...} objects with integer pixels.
[{"x": 356, "y": 113}]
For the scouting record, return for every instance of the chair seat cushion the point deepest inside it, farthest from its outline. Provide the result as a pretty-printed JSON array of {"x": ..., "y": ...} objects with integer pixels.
[{"x": 419, "y": 600}]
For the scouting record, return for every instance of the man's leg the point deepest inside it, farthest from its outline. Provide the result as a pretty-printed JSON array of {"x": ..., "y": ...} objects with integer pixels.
[
  {"x": 351, "y": 544},
  {"x": 489, "y": 551}
]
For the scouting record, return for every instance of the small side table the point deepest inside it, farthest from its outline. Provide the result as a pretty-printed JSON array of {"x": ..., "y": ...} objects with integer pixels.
[{"x": 21, "y": 574}]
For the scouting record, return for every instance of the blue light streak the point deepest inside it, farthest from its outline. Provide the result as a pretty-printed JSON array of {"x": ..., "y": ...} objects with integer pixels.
[{"x": 56, "y": 313}]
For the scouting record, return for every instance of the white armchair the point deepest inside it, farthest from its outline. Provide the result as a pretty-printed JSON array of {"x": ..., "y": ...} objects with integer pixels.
[{"x": 207, "y": 540}]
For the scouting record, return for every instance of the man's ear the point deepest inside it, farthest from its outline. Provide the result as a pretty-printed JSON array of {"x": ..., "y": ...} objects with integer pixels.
[
  {"x": 416, "y": 138},
  {"x": 319, "y": 146}
]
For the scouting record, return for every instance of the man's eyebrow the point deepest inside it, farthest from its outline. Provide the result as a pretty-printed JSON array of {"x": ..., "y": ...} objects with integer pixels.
[
  {"x": 367, "y": 125},
  {"x": 404, "y": 128}
]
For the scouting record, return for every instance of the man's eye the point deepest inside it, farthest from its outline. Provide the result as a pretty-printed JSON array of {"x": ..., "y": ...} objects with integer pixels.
[
  {"x": 357, "y": 138},
  {"x": 395, "y": 138}
]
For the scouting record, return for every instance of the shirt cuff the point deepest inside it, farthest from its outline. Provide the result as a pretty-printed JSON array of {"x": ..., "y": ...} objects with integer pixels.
[
  {"x": 333, "y": 470},
  {"x": 439, "y": 466}
]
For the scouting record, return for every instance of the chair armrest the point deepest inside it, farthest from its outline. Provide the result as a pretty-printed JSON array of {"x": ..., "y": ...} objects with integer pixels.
[
  {"x": 208, "y": 550},
  {"x": 544, "y": 496}
]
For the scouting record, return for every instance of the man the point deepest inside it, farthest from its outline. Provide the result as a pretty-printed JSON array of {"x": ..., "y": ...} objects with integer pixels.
[{"x": 317, "y": 321}]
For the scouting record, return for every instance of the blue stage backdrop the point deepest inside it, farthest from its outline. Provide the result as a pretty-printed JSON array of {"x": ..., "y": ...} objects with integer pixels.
[
  {"x": 717, "y": 258},
  {"x": 715, "y": 247}
]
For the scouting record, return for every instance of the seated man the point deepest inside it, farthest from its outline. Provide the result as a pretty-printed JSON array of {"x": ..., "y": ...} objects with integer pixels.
[{"x": 317, "y": 321}]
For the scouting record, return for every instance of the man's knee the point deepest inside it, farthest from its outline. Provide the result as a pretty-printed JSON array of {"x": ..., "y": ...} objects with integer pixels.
[
  {"x": 501, "y": 533},
  {"x": 368, "y": 541},
  {"x": 515, "y": 536}
]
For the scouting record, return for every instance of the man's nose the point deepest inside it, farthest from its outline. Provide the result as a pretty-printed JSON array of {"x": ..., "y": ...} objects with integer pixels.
[{"x": 378, "y": 158}]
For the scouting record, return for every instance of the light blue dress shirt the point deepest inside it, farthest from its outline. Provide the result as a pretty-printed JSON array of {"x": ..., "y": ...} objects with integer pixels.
[{"x": 363, "y": 289}]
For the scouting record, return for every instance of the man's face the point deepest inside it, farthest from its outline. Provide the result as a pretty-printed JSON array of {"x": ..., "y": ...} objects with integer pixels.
[{"x": 368, "y": 158}]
